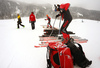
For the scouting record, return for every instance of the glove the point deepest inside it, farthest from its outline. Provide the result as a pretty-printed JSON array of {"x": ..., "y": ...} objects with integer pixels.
[{"x": 57, "y": 15}]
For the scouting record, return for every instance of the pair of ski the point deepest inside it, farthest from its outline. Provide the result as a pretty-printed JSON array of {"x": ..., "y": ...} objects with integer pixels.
[
  {"x": 52, "y": 38},
  {"x": 46, "y": 39}
]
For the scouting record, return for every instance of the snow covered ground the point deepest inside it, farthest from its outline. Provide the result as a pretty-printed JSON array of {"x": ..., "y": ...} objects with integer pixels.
[{"x": 17, "y": 45}]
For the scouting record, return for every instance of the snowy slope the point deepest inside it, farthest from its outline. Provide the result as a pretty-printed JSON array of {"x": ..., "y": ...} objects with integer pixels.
[{"x": 17, "y": 45}]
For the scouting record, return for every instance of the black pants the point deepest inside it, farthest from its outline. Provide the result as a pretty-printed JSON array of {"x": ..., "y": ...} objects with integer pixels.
[
  {"x": 19, "y": 24},
  {"x": 65, "y": 25},
  {"x": 33, "y": 25},
  {"x": 67, "y": 20}
]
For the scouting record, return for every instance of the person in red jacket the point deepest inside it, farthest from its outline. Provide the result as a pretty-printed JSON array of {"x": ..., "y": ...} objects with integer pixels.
[
  {"x": 32, "y": 20},
  {"x": 49, "y": 20},
  {"x": 65, "y": 14}
]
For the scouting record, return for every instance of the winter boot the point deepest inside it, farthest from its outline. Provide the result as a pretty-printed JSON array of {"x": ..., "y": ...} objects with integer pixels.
[
  {"x": 23, "y": 26},
  {"x": 50, "y": 26},
  {"x": 47, "y": 26}
]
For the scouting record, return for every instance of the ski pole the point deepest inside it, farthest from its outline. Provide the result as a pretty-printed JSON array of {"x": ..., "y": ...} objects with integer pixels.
[
  {"x": 59, "y": 25},
  {"x": 52, "y": 27},
  {"x": 58, "y": 34}
]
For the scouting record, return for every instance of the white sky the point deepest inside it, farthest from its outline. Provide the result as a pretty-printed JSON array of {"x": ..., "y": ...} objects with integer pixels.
[{"x": 88, "y": 4}]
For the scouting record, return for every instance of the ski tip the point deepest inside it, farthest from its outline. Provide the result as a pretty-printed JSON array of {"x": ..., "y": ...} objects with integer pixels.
[
  {"x": 41, "y": 46},
  {"x": 36, "y": 46}
]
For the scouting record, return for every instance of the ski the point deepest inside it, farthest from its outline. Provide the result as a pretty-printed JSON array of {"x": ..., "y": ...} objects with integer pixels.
[
  {"x": 77, "y": 41},
  {"x": 47, "y": 38},
  {"x": 45, "y": 27},
  {"x": 55, "y": 31},
  {"x": 37, "y": 46},
  {"x": 52, "y": 38}
]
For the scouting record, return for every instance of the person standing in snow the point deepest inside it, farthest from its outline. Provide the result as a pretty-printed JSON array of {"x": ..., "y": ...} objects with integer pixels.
[
  {"x": 19, "y": 22},
  {"x": 32, "y": 20},
  {"x": 49, "y": 20},
  {"x": 65, "y": 14}
]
